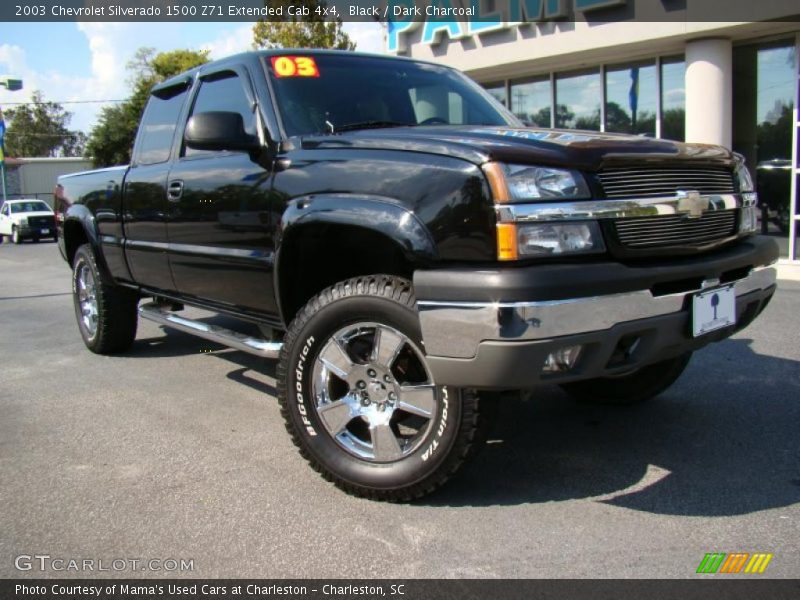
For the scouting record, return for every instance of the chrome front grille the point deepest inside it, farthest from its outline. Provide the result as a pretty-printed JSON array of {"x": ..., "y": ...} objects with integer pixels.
[
  {"x": 651, "y": 182},
  {"x": 675, "y": 230}
]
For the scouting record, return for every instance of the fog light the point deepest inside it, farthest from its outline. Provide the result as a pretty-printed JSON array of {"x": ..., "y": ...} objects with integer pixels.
[{"x": 563, "y": 359}]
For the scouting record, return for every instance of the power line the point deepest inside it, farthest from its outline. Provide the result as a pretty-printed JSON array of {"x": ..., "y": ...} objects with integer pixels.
[
  {"x": 60, "y": 102},
  {"x": 45, "y": 135}
]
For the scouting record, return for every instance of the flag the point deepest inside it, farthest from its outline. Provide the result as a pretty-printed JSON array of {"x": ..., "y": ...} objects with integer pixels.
[
  {"x": 2, "y": 138},
  {"x": 633, "y": 95}
]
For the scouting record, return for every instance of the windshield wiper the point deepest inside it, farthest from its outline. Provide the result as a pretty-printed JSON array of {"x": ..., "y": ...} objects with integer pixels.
[{"x": 369, "y": 125}]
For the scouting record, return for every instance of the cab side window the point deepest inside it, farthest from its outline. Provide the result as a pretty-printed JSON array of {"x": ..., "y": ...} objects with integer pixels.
[
  {"x": 437, "y": 102},
  {"x": 158, "y": 126},
  {"x": 223, "y": 92}
]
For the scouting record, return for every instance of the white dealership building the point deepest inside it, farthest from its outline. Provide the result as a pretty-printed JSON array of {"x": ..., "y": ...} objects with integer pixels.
[{"x": 598, "y": 64}]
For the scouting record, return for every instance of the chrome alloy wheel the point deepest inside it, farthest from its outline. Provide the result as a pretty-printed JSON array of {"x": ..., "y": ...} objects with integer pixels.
[
  {"x": 87, "y": 299},
  {"x": 373, "y": 392}
]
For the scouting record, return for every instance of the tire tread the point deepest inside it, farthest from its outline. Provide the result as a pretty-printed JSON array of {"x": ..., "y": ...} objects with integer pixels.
[
  {"x": 117, "y": 311},
  {"x": 467, "y": 440}
]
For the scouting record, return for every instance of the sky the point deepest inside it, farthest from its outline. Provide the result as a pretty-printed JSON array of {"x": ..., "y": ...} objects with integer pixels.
[
  {"x": 86, "y": 61},
  {"x": 71, "y": 62}
]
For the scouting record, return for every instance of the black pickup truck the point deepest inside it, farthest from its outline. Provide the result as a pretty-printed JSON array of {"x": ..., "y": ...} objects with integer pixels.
[{"x": 408, "y": 246}]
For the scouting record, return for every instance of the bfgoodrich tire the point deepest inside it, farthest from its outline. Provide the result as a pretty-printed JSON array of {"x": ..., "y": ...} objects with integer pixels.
[
  {"x": 634, "y": 388},
  {"x": 106, "y": 313},
  {"x": 359, "y": 401}
]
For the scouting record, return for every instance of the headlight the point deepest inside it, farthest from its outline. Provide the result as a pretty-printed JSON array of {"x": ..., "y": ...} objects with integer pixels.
[
  {"x": 748, "y": 221},
  {"x": 23, "y": 222},
  {"x": 743, "y": 176},
  {"x": 517, "y": 183},
  {"x": 548, "y": 239},
  {"x": 748, "y": 217}
]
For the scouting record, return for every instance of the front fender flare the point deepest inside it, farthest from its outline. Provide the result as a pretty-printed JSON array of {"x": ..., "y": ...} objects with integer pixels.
[
  {"x": 382, "y": 215},
  {"x": 379, "y": 214}
]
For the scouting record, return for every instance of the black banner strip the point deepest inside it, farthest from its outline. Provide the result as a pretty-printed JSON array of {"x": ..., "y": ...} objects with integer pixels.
[
  {"x": 730, "y": 588},
  {"x": 401, "y": 11}
]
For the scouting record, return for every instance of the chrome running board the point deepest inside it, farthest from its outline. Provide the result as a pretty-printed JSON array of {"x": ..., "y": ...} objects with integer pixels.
[{"x": 213, "y": 333}]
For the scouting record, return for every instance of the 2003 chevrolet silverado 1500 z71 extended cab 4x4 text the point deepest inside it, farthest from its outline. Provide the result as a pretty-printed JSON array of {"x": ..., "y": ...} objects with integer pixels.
[{"x": 411, "y": 245}]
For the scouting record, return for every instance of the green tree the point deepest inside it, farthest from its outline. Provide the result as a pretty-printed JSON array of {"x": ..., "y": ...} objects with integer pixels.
[
  {"x": 314, "y": 30},
  {"x": 75, "y": 145},
  {"x": 564, "y": 116},
  {"x": 589, "y": 122},
  {"x": 618, "y": 119},
  {"x": 774, "y": 139},
  {"x": 673, "y": 124},
  {"x": 111, "y": 140},
  {"x": 40, "y": 128}
]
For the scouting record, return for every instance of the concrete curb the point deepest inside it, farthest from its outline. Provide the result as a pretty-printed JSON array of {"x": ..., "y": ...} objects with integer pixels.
[{"x": 788, "y": 271}]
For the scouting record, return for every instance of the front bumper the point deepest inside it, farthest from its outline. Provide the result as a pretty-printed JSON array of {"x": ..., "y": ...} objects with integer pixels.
[
  {"x": 27, "y": 231},
  {"x": 495, "y": 329}
]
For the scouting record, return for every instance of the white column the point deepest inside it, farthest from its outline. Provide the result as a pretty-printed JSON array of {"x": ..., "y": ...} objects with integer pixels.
[{"x": 709, "y": 90}]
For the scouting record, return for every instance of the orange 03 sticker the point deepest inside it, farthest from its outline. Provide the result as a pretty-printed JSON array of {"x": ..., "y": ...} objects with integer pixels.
[{"x": 294, "y": 66}]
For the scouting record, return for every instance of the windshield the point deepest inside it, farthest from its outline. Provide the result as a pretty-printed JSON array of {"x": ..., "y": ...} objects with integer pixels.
[
  {"x": 323, "y": 93},
  {"x": 23, "y": 207}
]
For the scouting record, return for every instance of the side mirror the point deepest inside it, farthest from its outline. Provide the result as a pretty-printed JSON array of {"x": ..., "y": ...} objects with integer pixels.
[{"x": 219, "y": 130}]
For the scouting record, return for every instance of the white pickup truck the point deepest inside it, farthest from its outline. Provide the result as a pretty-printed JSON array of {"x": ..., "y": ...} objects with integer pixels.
[{"x": 26, "y": 218}]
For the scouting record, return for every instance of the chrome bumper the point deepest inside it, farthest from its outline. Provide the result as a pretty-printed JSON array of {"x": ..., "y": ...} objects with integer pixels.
[
  {"x": 617, "y": 209},
  {"x": 455, "y": 329}
]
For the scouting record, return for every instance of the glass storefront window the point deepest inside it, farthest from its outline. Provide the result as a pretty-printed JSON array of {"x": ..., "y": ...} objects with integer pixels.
[
  {"x": 764, "y": 79},
  {"x": 530, "y": 101},
  {"x": 631, "y": 99},
  {"x": 797, "y": 223},
  {"x": 499, "y": 92},
  {"x": 673, "y": 99},
  {"x": 578, "y": 100},
  {"x": 775, "y": 102}
]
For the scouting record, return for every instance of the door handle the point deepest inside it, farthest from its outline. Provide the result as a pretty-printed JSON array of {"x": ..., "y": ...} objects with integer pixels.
[{"x": 174, "y": 190}]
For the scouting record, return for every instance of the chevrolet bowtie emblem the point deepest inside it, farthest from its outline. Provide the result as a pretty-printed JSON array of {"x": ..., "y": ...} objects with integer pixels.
[{"x": 692, "y": 204}]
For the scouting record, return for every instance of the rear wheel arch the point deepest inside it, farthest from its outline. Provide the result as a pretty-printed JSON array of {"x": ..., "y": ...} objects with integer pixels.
[
  {"x": 74, "y": 237},
  {"x": 80, "y": 230}
]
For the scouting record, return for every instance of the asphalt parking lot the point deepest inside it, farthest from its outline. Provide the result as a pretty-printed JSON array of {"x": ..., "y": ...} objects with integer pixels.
[{"x": 177, "y": 450}]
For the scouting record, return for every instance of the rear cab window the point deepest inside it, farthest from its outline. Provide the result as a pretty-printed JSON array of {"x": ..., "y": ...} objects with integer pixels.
[{"x": 159, "y": 122}]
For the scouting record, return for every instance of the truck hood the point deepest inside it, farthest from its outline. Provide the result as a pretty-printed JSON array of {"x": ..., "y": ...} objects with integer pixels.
[{"x": 586, "y": 150}]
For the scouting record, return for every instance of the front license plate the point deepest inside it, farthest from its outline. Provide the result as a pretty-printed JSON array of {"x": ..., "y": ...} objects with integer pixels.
[
  {"x": 45, "y": 231},
  {"x": 713, "y": 310}
]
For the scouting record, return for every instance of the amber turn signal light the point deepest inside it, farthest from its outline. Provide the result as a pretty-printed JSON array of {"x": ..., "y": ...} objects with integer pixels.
[
  {"x": 497, "y": 182},
  {"x": 507, "y": 241}
]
